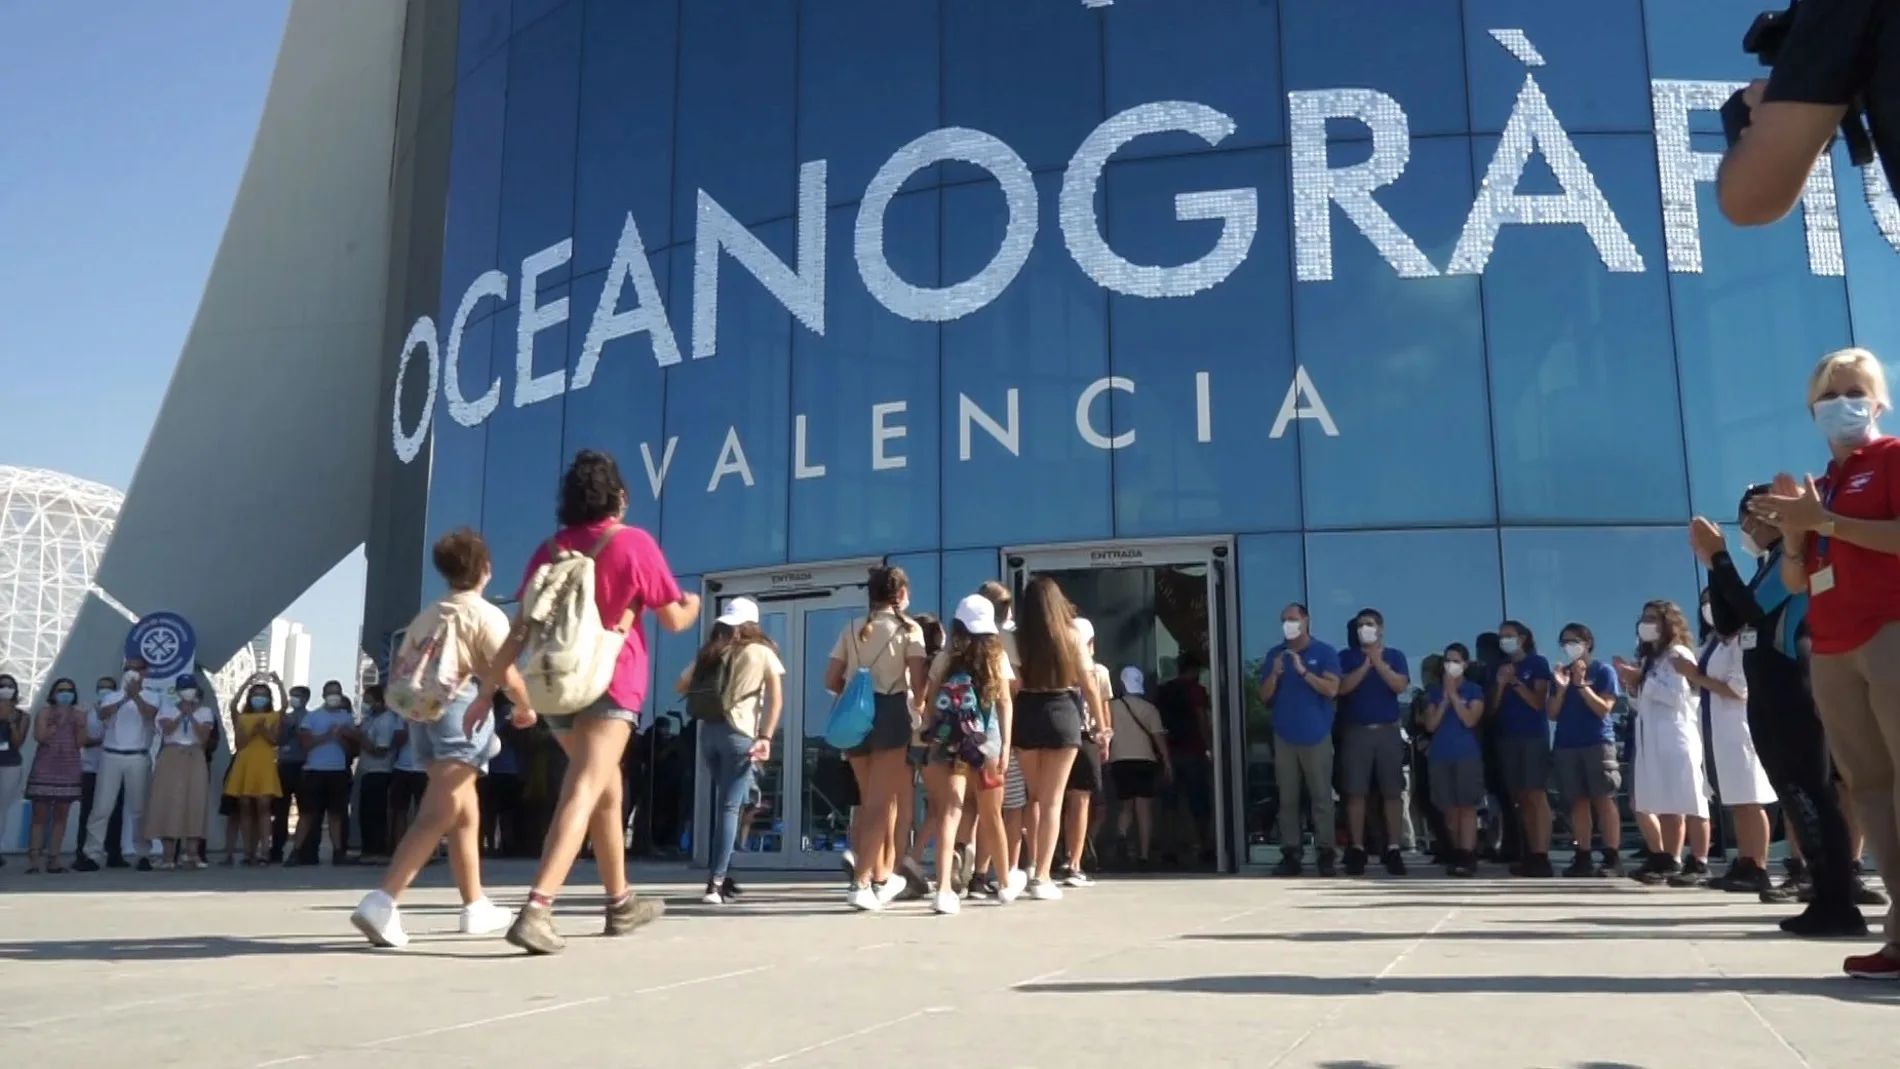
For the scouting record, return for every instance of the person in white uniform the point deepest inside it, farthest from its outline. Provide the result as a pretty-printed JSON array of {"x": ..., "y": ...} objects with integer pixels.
[
  {"x": 1670, "y": 783},
  {"x": 1741, "y": 783},
  {"x": 127, "y": 716}
]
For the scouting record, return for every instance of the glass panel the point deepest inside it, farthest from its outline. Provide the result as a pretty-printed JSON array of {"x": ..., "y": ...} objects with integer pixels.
[
  {"x": 725, "y": 491},
  {"x": 458, "y": 462},
  {"x": 482, "y": 27},
  {"x": 527, "y": 11},
  {"x": 926, "y": 592},
  {"x": 1271, "y": 572},
  {"x": 965, "y": 571},
  {"x": 844, "y": 46},
  {"x": 825, "y": 823},
  {"x": 622, "y": 409},
  {"x": 1411, "y": 56},
  {"x": 624, "y": 151},
  {"x": 1244, "y": 475},
  {"x": 1030, "y": 74},
  {"x": 1225, "y": 54},
  {"x": 735, "y": 122},
  {"x": 1398, "y": 360},
  {"x": 1583, "y": 377},
  {"x": 1045, "y": 338},
  {"x": 1873, "y": 269},
  {"x": 1749, "y": 328},
  {"x": 1700, "y": 39},
  {"x": 472, "y": 216},
  {"x": 537, "y": 185},
  {"x": 762, "y": 821},
  {"x": 1597, "y": 75},
  {"x": 524, "y": 453},
  {"x": 867, "y": 390},
  {"x": 1599, "y": 577},
  {"x": 1432, "y": 587}
]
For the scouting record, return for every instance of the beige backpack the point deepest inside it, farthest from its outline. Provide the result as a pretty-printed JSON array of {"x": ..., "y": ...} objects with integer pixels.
[{"x": 571, "y": 652}]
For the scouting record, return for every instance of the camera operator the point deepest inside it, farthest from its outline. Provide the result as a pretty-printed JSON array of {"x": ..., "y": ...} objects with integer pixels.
[{"x": 1831, "y": 61}]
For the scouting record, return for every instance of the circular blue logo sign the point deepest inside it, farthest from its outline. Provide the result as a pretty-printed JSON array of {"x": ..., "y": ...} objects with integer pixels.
[{"x": 165, "y": 642}]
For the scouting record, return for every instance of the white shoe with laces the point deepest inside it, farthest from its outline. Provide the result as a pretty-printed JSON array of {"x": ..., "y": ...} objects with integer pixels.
[
  {"x": 1078, "y": 878},
  {"x": 1012, "y": 886},
  {"x": 379, "y": 920},
  {"x": 863, "y": 899},
  {"x": 892, "y": 888},
  {"x": 947, "y": 903},
  {"x": 485, "y": 918},
  {"x": 1044, "y": 891}
]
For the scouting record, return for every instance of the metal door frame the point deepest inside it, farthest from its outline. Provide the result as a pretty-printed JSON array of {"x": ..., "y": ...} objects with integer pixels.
[
  {"x": 796, "y": 590},
  {"x": 1226, "y": 687}
]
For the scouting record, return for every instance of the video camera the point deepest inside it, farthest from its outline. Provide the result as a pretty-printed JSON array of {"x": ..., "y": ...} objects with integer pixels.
[{"x": 1764, "y": 40}]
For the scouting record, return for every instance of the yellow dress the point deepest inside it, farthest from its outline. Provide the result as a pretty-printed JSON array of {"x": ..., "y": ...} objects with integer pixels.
[{"x": 254, "y": 767}]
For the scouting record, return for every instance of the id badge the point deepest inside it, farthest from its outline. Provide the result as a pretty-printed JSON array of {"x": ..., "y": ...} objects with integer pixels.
[
  {"x": 1821, "y": 581},
  {"x": 1749, "y": 638}
]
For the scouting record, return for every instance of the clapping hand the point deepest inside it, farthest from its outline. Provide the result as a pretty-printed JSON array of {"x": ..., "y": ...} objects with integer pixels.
[
  {"x": 1685, "y": 666},
  {"x": 1794, "y": 507},
  {"x": 1705, "y": 538},
  {"x": 1507, "y": 675}
]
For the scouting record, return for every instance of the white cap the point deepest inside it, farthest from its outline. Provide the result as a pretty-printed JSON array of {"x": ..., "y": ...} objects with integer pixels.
[
  {"x": 1084, "y": 631},
  {"x": 739, "y": 611},
  {"x": 977, "y": 615},
  {"x": 1131, "y": 680}
]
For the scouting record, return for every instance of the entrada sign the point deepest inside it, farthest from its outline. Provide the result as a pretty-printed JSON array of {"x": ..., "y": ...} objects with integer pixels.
[{"x": 629, "y": 302}]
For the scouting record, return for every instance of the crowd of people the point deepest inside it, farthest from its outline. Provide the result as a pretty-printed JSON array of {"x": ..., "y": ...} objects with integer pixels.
[{"x": 1787, "y": 689}]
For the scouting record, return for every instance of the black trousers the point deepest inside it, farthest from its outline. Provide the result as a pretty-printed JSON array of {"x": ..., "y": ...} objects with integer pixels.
[
  {"x": 372, "y": 810},
  {"x": 1793, "y": 749},
  {"x": 115, "y": 830},
  {"x": 290, "y": 775},
  {"x": 502, "y": 822}
]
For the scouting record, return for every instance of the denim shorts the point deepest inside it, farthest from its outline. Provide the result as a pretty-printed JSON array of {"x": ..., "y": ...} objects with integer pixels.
[
  {"x": 603, "y": 708},
  {"x": 444, "y": 740}
]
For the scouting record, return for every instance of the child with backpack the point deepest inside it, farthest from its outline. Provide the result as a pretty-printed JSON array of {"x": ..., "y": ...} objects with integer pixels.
[
  {"x": 451, "y": 656},
  {"x": 734, "y": 690},
  {"x": 969, "y": 741}
]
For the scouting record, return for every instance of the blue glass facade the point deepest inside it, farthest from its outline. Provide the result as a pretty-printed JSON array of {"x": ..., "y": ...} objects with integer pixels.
[{"x": 1289, "y": 308}]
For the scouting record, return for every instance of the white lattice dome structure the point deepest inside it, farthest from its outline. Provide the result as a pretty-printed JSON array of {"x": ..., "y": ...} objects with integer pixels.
[{"x": 53, "y": 530}]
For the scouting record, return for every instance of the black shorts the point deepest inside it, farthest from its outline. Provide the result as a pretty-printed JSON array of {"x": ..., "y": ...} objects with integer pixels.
[
  {"x": 1086, "y": 773},
  {"x": 1135, "y": 779},
  {"x": 322, "y": 793},
  {"x": 1047, "y": 720},
  {"x": 405, "y": 790},
  {"x": 890, "y": 726}
]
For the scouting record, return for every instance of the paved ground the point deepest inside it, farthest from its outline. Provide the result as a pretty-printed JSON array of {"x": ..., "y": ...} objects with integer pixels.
[{"x": 259, "y": 969}]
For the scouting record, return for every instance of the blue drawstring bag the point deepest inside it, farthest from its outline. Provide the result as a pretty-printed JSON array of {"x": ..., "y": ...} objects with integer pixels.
[{"x": 853, "y": 713}]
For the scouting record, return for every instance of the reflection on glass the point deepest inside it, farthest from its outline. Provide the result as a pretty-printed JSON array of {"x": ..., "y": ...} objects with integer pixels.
[
  {"x": 826, "y": 821},
  {"x": 762, "y": 821},
  {"x": 1272, "y": 573}
]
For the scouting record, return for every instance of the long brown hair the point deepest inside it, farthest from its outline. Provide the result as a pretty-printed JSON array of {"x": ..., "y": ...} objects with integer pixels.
[
  {"x": 1675, "y": 632},
  {"x": 886, "y": 588},
  {"x": 1045, "y": 639},
  {"x": 982, "y": 657},
  {"x": 726, "y": 638},
  {"x": 999, "y": 598}
]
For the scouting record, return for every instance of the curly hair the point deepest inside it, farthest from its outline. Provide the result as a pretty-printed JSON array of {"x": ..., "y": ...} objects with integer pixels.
[
  {"x": 1674, "y": 632},
  {"x": 982, "y": 657},
  {"x": 591, "y": 491}
]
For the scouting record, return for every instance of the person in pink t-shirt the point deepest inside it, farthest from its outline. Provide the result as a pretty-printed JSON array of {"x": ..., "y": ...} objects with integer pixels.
[{"x": 631, "y": 577}]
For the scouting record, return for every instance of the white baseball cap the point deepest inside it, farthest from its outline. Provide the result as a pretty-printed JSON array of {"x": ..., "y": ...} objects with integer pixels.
[
  {"x": 1084, "y": 631},
  {"x": 1131, "y": 680},
  {"x": 740, "y": 611},
  {"x": 977, "y": 615}
]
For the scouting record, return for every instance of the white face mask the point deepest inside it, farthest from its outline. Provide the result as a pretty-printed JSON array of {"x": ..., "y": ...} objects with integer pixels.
[
  {"x": 298, "y": 703},
  {"x": 1752, "y": 547},
  {"x": 333, "y": 701},
  {"x": 1574, "y": 651},
  {"x": 7, "y": 693},
  {"x": 1454, "y": 669},
  {"x": 903, "y": 603},
  {"x": 1708, "y": 615},
  {"x": 1368, "y": 634},
  {"x": 1648, "y": 632},
  {"x": 1507, "y": 646},
  {"x": 188, "y": 694},
  {"x": 104, "y": 693},
  {"x": 1292, "y": 629},
  {"x": 130, "y": 679}
]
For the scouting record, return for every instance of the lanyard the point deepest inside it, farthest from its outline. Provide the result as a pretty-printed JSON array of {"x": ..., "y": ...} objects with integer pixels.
[{"x": 1821, "y": 542}]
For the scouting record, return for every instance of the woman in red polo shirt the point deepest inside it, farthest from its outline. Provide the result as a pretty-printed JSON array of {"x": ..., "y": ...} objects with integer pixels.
[{"x": 1843, "y": 534}]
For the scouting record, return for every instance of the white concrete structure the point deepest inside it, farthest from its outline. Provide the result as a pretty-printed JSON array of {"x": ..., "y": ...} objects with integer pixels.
[
  {"x": 273, "y": 407},
  {"x": 284, "y": 648},
  {"x": 53, "y": 532}
]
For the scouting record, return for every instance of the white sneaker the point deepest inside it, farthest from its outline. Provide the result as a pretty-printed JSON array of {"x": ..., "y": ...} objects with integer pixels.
[
  {"x": 864, "y": 900},
  {"x": 1078, "y": 878},
  {"x": 1012, "y": 886},
  {"x": 947, "y": 903},
  {"x": 891, "y": 889},
  {"x": 712, "y": 897},
  {"x": 379, "y": 920},
  {"x": 485, "y": 918},
  {"x": 1044, "y": 891}
]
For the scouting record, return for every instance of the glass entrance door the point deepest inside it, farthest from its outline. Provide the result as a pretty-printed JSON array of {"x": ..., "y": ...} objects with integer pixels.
[
  {"x": 1162, "y": 608},
  {"x": 799, "y": 812}
]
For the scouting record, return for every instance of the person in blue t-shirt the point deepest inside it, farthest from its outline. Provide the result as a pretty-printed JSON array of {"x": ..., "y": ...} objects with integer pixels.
[
  {"x": 1299, "y": 681},
  {"x": 1452, "y": 712},
  {"x": 1372, "y": 676},
  {"x": 1588, "y": 774},
  {"x": 1520, "y": 692}
]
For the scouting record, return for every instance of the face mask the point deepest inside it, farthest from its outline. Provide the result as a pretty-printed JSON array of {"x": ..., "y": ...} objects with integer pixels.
[
  {"x": 333, "y": 701},
  {"x": 1454, "y": 669},
  {"x": 1574, "y": 651},
  {"x": 188, "y": 694},
  {"x": 1845, "y": 420},
  {"x": 130, "y": 679},
  {"x": 903, "y": 603},
  {"x": 1751, "y": 547},
  {"x": 1648, "y": 632},
  {"x": 1291, "y": 629},
  {"x": 1368, "y": 634},
  {"x": 1508, "y": 646},
  {"x": 65, "y": 697},
  {"x": 299, "y": 703},
  {"x": 1708, "y": 615},
  {"x": 104, "y": 693},
  {"x": 6, "y": 694},
  {"x": 260, "y": 701}
]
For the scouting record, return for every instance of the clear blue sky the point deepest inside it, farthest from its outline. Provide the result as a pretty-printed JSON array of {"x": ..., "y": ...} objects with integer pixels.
[{"x": 124, "y": 128}]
